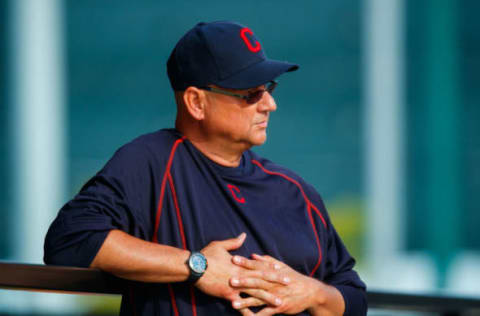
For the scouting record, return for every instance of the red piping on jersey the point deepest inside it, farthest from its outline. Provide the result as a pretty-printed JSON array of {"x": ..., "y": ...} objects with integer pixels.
[
  {"x": 317, "y": 240},
  {"x": 172, "y": 299},
  {"x": 177, "y": 209},
  {"x": 159, "y": 213},
  {"x": 182, "y": 234},
  {"x": 309, "y": 210},
  {"x": 162, "y": 190},
  {"x": 168, "y": 176},
  {"x": 319, "y": 214}
]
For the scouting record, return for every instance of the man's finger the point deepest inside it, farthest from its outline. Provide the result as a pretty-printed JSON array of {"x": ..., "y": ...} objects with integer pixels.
[
  {"x": 233, "y": 243},
  {"x": 275, "y": 277},
  {"x": 265, "y": 258},
  {"x": 254, "y": 264},
  {"x": 265, "y": 296},
  {"x": 247, "y": 302},
  {"x": 262, "y": 279},
  {"x": 246, "y": 312},
  {"x": 251, "y": 283}
]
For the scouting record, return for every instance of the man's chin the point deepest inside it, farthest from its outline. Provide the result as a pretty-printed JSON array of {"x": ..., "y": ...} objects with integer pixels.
[{"x": 259, "y": 140}]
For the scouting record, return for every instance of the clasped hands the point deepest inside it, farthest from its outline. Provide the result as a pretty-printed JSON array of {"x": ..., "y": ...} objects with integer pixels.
[
  {"x": 274, "y": 284},
  {"x": 267, "y": 281}
]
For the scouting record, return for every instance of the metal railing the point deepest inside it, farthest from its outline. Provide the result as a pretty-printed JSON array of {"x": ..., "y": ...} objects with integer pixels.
[{"x": 32, "y": 277}]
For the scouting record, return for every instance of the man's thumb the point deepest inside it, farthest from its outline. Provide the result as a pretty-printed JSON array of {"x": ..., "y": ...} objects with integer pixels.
[{"x": 234, "y": 243}]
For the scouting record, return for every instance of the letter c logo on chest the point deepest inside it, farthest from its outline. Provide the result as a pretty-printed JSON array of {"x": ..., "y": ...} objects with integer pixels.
[
  {"x": 253, "y": 49},
  {"x": 234, "y": 189}
]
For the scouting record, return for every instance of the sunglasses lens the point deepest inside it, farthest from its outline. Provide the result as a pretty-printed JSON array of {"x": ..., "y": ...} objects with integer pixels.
[
  {"x": 271, "y": 86},
  {"x": 255, "y": 96}
]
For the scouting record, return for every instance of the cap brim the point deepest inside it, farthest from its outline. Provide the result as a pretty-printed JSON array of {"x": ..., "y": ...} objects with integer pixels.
[{"x": 257, "y": 74}]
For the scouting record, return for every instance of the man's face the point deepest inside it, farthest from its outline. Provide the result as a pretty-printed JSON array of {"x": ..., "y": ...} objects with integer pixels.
[{"x": 234, "y": 120}]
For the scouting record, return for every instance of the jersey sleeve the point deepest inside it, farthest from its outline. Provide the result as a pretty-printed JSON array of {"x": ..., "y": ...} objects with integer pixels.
[
  {"x": 117, "y": 197},
  {"x": 340, "y": 264}
]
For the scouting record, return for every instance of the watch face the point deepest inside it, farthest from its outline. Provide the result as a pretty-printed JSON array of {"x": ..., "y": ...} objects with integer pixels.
[{"x": 198, "y": 263}]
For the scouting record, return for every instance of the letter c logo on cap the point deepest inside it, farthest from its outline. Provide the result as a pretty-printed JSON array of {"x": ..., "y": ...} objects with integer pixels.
[{"x": 253, "y": 49}]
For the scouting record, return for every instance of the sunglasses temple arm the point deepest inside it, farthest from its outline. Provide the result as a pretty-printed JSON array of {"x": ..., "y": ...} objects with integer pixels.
[{"x": 225, "y": 92}]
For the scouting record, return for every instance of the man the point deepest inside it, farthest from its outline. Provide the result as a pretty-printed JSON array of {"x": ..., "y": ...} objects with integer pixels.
[{"x": 198, "y": 223}]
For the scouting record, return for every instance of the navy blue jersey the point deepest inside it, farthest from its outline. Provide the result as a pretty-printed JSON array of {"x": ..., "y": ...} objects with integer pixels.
[{"x": 162, "y": 189}]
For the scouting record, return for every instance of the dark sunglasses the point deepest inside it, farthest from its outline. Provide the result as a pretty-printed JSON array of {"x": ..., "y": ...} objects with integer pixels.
[{"x": 252, "y": 97}]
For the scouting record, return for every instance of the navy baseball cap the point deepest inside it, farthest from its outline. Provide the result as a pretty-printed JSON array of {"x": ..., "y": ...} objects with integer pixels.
[{"x": 222, "y": 53}]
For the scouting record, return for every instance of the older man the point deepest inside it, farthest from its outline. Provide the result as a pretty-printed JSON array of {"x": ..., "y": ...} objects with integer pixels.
[{"x": 197, "y": 223}]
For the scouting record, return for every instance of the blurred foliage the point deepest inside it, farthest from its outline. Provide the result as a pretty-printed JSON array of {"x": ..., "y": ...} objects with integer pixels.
[
  {"x": 348, "y": 217},
  {"x": 101, "y": 304}
]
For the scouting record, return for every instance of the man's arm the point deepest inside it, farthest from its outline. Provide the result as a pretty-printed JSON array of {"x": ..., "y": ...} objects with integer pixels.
[{"x": 132, "y": 258}]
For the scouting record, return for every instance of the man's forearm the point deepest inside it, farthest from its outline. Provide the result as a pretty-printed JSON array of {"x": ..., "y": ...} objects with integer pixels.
[
  {"x": 329, "y": 301},
  {"x": 132, "y": 258}
]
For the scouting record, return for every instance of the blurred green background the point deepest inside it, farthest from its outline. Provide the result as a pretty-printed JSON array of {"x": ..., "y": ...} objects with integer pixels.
[{"x": 113, "y": 87}]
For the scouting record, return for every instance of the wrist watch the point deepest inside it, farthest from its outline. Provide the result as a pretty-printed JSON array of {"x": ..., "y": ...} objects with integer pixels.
[{"x": 197, "y": 264}]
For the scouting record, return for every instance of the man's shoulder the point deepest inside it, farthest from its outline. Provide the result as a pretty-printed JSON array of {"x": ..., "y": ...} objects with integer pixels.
[
  {"x": 156, "y": 143},
  {"x": 269, "y": 166},
  {"x": 145, "y": 150},
  {"x": 160, "y": 139}
]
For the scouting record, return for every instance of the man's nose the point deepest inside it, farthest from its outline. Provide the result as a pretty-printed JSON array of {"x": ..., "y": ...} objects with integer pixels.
[{"x": 267, "y": 103}]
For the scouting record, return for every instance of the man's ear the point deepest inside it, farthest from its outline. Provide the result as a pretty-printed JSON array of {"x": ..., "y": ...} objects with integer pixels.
[{"x": 194, "y": 100}]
